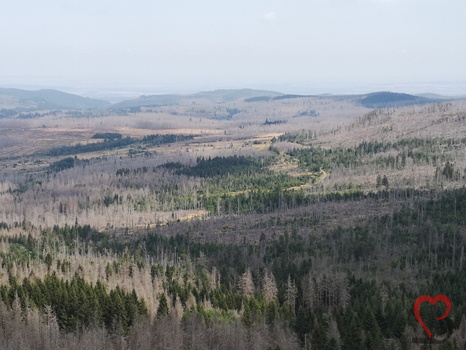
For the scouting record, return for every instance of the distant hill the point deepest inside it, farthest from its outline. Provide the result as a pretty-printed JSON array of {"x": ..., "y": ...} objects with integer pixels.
[
  {"x": 46, "y": 99},
  {"x": 217, "y": 96},
  {"x": 16, "y": 99},
  {"x": 436, "y": 96},
  {"x": 392, "y": 99}
]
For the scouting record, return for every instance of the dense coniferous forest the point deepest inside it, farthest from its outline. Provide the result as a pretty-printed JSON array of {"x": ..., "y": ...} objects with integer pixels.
[{"x": 231, "y": 234}]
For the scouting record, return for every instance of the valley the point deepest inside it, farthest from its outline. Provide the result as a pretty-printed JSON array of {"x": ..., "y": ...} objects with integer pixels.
[{"x": 231, "y": 219}]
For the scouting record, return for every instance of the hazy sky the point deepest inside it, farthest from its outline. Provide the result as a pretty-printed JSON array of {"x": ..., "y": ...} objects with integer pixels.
[{"x": 307, "y": 46}]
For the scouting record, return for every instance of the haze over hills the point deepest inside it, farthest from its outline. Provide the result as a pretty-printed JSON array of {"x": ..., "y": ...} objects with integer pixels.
[
  {"x": 217, "y": 96},
  {"x": 371, "y": 100},
  {"x": 47, "y": 99}
]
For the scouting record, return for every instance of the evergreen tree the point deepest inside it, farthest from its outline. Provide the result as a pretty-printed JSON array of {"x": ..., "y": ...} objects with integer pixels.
[
  {"x": 319, "y": 336},
  {"x": 162, "y": 309},
  {"x": 351, "y": 338},
  {"x": 378, "y": 181},
  {"x": 385, "y": 181}
]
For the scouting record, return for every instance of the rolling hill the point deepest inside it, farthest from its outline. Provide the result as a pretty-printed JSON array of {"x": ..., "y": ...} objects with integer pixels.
[
  {"x": 18, "y": 100},
  {"x": 217, "y": 96},
  {"x": 391, "y": 99},
  {"x": 46, "y": 99}
]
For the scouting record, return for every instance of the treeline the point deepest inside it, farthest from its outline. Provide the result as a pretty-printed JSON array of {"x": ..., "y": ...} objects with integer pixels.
[
  {"x": 368, "y": 147},
  {"x": 157, "y": 139},
  {"x": 76, "y": 304},
  {"x": 315, "y": 158},
  {"x": 67, "y": 163},
  {"x": 302, "y": 137},
  {"x": 274, "y": 122},
  {"x": 218, "y": 166},
  {"x": 418, "y": 151},
  {"x": 114, "y": 141},
  {"x": 107, "y": 135},
  {"x": 308, "y": 113},
  {"x": 8, "y": 113},
  {"x": 107, "y": 144}
]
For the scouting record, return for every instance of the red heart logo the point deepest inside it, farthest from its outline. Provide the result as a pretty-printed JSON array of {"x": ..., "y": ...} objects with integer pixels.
[{"x": 432, "y": 301}]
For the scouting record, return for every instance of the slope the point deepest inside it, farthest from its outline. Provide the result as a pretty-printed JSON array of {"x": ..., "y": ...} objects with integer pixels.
[
  {"x": 217, "y": 96},
  {"x": 46, "y": 99}
]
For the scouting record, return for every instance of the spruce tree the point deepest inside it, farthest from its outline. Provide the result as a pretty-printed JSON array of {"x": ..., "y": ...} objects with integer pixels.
[{"x": 162, "y": 310}]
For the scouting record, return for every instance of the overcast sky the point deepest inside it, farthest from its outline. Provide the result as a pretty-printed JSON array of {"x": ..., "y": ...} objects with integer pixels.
[{"x": 299, "y": 46}]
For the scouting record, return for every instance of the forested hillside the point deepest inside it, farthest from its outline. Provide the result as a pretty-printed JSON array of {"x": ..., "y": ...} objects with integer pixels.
[{"x": 219, "y": 234}]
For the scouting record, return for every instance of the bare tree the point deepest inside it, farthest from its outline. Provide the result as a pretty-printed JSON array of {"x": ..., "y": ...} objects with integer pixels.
[
  {"x": 269, "y": 286},
  {"x": 291, "y": 292},
  {"x": 246, "y": 283}
]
